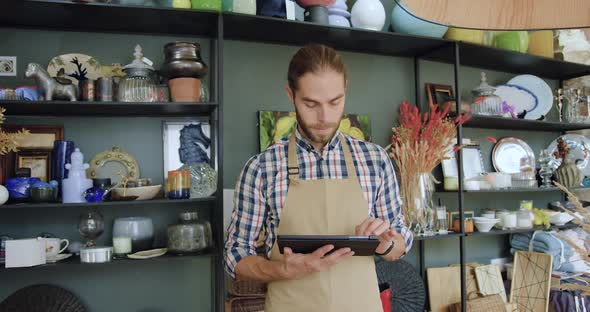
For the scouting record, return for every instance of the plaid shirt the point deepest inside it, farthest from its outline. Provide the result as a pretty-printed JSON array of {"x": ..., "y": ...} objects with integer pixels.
[{"x": 261, "y": 190}]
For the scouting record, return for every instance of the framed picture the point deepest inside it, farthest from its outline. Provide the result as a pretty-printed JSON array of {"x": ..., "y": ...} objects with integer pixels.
[
  {"x": 472, "y": 163},
  {"x": 452, "y": 215},
  {"x": 273, "y": 126},
  {"x": 439, "y": 94},
  {"x": 185, "y": 141},
  {"x": 39, "y": 161},
  {"x": 40, "y": 139}
]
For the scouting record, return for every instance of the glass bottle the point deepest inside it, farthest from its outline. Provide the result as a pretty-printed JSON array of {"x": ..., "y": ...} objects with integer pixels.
[
  {"x": 91, "y": 226},
  {"x": 545, "y": 170},
  {"x": 574, "y": 108}
]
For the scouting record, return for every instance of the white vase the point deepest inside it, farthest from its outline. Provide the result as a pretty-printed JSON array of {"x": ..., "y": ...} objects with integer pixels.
[
  {"x": 368, "y": 14},
  {"x": 3, "y": 195}
]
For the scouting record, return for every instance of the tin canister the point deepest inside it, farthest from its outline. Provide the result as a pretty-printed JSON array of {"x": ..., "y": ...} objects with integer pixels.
[
  {"x": 116, "y": 81},
  {"x": 87, "y": 90},
  {"x": 104, "y": 89}
]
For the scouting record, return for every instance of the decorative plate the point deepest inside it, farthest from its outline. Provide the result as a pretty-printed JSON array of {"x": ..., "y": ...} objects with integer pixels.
[
  {"x": 517, "y": 97},
  {"x": 507, "y": 155},
  {"x": 540, "y": 89},
  {"x": 148, "y": 254},
  {"x": 579, "y": 152},
  {"x": 115, "y": 154},
  {"x": 75, "y": 67}
]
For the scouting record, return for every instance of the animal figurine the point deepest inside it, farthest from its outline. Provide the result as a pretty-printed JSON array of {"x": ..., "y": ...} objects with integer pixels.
[{"x": 48, "y": 86}]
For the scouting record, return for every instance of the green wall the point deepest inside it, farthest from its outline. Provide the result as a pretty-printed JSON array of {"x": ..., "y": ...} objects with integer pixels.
[{"x": 254, "y": 79}]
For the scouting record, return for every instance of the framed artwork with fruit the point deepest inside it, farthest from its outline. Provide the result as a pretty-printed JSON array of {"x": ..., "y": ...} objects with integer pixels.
[{"x": 273, "y": 126}]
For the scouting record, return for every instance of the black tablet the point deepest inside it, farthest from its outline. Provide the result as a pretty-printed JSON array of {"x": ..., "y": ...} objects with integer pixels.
[{"x": 361, "y": 245}]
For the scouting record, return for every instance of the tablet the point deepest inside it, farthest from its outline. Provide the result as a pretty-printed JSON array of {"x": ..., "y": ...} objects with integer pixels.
[{"x": 361, "y": 245}]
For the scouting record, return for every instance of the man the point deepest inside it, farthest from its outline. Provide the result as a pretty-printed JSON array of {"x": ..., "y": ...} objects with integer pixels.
[{"x": 317, "y": 182}]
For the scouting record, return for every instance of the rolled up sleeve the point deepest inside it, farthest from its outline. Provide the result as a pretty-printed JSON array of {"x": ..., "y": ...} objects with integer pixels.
[
  {"x": 388, "y": 204},
  {"x": 247, "y": 217}
]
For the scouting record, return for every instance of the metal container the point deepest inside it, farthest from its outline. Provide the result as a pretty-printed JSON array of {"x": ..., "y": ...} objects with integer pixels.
[
  {"x": 189, "y": 235},
  {"x": 104, "y": 89},
  {"x": 87, "y": 90},
  {"x": 96, "y": 254},
  {"x": 183, "y": 59}
]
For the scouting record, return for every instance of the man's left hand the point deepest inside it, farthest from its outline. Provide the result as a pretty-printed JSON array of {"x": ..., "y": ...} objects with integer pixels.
[{"x": 387, "y": 236}]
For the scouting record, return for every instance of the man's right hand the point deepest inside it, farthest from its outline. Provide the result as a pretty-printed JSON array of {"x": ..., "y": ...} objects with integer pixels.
[{"x": 298, "y": 265}]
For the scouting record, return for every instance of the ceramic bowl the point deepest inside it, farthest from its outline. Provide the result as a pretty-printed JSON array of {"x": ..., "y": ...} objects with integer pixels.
[
  {"x": 406, "y": 23},
  {"x": 142, "y": 192},
  {"x": 484, "y": 224}
]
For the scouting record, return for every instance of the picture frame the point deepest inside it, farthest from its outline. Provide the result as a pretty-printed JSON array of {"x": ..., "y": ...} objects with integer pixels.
[
  {"x": 473, "y": 164},
  {"x": 438, "y": 93},
  {"x": 39, "y": 161},
  {"x": 40, "y": 139},
  {"x": 171, "y": 132},
  {"x": 452, "y": 215}
]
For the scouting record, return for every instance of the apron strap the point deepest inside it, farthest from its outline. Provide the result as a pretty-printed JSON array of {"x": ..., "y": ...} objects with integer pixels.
[
  {"x": 351, "y": 171},
  {"x": 292, "y": 165}
]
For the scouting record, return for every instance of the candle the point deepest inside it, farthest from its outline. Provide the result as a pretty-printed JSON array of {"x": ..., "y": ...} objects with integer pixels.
[{"x": 122, "y": 245}]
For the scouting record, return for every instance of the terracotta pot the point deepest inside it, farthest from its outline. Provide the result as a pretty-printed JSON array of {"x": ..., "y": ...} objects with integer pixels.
[{"x": 185, "y": 89}]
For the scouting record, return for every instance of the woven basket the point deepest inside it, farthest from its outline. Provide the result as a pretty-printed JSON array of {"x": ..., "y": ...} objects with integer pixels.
[
  {"x": 493, "y": 303},
  {"x": 247, "y": 289},
  {"x": 244, "y": 304},
  {"x": 42, "y": 298}
]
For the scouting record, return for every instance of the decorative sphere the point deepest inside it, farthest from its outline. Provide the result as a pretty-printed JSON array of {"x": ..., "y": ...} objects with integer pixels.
[{"x": 3, "y": 195}]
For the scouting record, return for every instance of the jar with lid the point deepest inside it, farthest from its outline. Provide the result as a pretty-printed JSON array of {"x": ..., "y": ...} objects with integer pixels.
[
  {"x": 189, "y": 235},
  {"x": 485, "y": 101},
  {"x": 524, "y": 220},
  {"x": 139, "y": 85}
]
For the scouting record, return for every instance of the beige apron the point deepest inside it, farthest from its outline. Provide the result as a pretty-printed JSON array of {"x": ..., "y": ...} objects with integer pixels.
[{"x": 325, "y": 207}]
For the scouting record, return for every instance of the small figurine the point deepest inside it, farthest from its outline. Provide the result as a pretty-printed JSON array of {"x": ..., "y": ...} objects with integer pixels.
[
  {"x": 76, "y": 182},
  {"x": 559, "y": 99},
  {"x": 50, "y": 87}
]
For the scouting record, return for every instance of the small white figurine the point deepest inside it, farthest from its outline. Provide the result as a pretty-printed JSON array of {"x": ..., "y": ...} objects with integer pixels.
[{"x": 76, "y": 183}]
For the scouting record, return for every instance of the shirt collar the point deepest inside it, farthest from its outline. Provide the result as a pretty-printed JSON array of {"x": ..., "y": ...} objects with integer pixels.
[{"x": 305, "y": 144}]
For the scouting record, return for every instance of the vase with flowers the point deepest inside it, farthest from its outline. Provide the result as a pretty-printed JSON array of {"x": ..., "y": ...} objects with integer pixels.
[{"x": 418, "y": 145}]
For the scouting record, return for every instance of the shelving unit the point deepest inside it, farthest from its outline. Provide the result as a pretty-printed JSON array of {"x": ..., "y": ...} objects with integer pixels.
[
  {"x": 217, "y": 27},
  {"x": 154, "y": 202}
]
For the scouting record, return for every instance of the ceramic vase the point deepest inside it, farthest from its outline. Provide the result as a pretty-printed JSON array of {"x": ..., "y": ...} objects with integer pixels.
[
  {"x": 568, "y": 174},
  {"x": 339, "y": 14},
  {"x": 405, "y": 23},
  {"x": 368, "y": 14},
  {"x": 62, "y": 150}
]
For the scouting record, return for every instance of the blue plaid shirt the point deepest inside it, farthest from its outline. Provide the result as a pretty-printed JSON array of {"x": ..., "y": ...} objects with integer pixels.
[{"x": 261, "y": 190}]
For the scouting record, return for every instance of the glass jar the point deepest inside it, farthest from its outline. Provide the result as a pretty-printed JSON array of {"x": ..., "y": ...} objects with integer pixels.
[
  {"x": 91, "y": 226},
  {"x": 574, "y": 106},
  {"x": 486, "y": 102},
  {"x": 189, "y": 235},
  {"x": 178, "y": 184},
  {"x": 524, "y": 220},
  {"x": 203, "y": 179},
  {"x": 139, "y": 84}
]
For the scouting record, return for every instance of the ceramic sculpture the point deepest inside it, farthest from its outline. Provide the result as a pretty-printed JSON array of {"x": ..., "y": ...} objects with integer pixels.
[
  {"x": 49, "y": 87},
  {"x": 76, "y": 182}
]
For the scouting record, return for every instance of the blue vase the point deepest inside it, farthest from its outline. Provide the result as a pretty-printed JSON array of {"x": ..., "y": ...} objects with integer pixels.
[
  {"x": 60, "y": 157},
  {"x": 19, "y": 188}
]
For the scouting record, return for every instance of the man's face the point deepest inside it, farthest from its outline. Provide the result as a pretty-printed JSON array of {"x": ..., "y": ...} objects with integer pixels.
[{"x": 319, "y": 103}]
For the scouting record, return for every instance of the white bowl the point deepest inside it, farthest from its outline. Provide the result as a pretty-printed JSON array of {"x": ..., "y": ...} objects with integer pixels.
[
  {"x": 142, "y": 192},
  {"x": 484, "y": 224},
  {"x": 560, "y": 218}
]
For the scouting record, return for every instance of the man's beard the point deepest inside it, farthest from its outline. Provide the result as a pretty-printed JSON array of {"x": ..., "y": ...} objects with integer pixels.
[{"x": 314, "y": 137}]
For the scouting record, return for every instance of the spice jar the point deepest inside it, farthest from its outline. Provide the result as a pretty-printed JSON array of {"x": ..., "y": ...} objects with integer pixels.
[
  {"x": 189, "y": 234},
  {"x": 486, "y": 102},
  {"x": 178, "y": 185}
]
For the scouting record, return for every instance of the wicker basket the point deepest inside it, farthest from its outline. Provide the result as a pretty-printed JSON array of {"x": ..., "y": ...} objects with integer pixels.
[
  {"x": 247, "y": 289},
  {"x": 244, "y": 304}
]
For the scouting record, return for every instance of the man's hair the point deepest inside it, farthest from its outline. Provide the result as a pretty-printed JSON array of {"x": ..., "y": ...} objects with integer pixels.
[{"x": 313, "y": 58}]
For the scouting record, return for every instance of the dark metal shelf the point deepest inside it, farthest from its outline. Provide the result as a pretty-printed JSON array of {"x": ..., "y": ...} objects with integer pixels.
[
  {"x": 491, "y": 58},
  {"x": 537, "y": 228},
  {"x": 154, "y": 202},
  {"x": 516, "y": 190},
  {"x": 522, "y": 124},
  {"x": 282, "y": 31},
  {"x": 75, "y": 260},
  {"x": 438, "y": 236},
  {"x": 100, "y": 17},
  {"x": 106, "y": 109}
]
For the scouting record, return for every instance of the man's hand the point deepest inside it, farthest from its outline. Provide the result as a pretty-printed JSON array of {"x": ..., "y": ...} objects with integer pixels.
[
  {"x": 298, "y": 265},
  {"x": 387, "y": 236}
]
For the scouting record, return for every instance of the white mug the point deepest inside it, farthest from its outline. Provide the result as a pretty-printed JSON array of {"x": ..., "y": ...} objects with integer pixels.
[{"x": 53, "y": 246}]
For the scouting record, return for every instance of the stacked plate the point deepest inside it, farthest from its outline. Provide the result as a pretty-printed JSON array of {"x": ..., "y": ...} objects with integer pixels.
[{"x": 527, "y": 92}]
